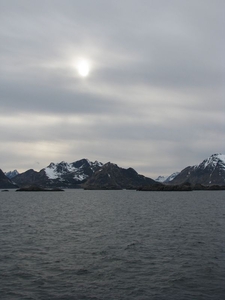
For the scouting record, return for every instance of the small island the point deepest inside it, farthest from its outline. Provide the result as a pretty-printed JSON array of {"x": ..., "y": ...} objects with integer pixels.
[{"x": 34, "y": 188}]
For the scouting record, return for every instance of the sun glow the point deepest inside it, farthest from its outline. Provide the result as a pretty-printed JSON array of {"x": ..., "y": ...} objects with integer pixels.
[{"x": 83, "y": 68}]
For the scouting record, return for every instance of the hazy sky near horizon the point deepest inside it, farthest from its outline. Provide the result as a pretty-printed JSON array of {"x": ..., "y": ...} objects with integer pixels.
[{"x": 154, "y": 97}]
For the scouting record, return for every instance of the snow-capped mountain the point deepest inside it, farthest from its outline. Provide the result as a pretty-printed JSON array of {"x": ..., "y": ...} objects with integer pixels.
[
  {"x": 164, "y": 179},
  {"x": 80, "y": 170},
  {"x": 211, "y": 171},
  {"x": 61, "y": 174},
  {"x": 11, "y": 174}
]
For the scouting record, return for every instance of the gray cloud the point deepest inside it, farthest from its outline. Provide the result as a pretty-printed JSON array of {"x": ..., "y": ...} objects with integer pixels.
[{"x": 154, "y": 99}]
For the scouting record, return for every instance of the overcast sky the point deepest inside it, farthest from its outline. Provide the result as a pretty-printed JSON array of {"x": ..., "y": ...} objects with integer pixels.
[{"x": 154, "y": 97}]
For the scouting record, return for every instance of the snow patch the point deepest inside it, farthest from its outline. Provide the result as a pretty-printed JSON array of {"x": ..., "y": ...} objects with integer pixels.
[
  {"x": 51, "y": 173},
  {"x": 80, "y": 177}
]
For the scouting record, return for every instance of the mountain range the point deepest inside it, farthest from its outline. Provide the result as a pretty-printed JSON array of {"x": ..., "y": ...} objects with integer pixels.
[{"x": 96, "y": 175}]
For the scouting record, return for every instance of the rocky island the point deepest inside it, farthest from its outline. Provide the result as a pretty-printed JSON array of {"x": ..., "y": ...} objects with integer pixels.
[{"x": 34, "y": 188}]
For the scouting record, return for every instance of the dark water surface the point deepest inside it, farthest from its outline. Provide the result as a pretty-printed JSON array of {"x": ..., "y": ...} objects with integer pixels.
[{"x": 112, "y": 245}]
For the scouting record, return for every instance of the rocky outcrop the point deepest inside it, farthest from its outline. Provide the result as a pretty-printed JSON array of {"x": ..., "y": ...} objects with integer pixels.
[
  {"x": 5, "y": 182},
  {"x": 110, "y": 176}
]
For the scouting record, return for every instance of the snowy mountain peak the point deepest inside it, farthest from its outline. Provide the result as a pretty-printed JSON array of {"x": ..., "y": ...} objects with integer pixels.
[{"x": 212, "y": 161}]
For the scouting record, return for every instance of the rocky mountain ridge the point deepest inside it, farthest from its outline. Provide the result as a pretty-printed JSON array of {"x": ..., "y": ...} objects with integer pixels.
[{"x": 110, "y": 176}]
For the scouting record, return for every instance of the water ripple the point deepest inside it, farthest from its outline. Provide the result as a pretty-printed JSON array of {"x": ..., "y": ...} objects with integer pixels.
[{"x": 112, "y": 245}]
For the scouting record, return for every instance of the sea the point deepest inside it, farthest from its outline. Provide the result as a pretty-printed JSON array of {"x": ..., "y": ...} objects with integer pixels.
[{"x": 98, "y": 245}]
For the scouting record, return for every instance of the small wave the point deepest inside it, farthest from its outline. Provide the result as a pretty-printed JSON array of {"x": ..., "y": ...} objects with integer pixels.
[{"x": 82, "y": 272}]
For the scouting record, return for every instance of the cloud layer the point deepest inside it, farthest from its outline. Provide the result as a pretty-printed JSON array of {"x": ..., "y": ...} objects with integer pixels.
[{"x": 154, "y": 99}]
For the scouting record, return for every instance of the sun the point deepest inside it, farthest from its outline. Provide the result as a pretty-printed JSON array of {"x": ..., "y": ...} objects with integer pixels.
[{"x": 83, "y": 68}]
